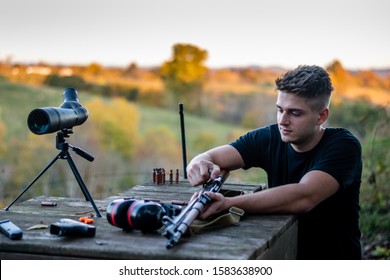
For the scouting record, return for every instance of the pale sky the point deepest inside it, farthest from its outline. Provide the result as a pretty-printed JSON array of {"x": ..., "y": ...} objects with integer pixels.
[{"x": 284, "y": 33}]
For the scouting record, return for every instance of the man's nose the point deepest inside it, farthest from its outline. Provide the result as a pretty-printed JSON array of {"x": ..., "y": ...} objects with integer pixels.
[{"x": 283, "y": 118}]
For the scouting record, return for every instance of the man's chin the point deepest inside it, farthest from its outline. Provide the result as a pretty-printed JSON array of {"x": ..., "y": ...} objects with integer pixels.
[{"x": 287, "y": 139}]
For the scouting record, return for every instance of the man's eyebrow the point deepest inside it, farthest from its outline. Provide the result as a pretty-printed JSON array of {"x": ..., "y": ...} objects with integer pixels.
[{"x": 290, "y": 109}]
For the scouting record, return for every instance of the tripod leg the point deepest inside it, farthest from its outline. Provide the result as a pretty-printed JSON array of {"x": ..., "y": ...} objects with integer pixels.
[
  {"x": 34, "y": 180},
  {"x": 84, "y": 189}
]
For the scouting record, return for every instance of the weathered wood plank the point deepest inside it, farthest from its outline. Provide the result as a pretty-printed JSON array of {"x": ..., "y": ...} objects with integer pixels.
[{"x": 253, "y": 238}]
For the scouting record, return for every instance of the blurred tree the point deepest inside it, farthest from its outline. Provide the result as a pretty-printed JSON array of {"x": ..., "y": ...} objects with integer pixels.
[
  {"x": 65, "y": 81},
  {"x": 115, "y": 123},
  {"x": 184, "y": 75},
  {"x": 341, "y": 78},
  {"x": 2, "y": 166},
  {"x": 153, "y": 98},
  {"x": 250, "y": 75},
  {"x": 36, "y": 150},
  {"x": 203, "y": 141},
  {"x": 360, "y": 116},
  {"x": 225, "y": 76},
  {"x": 3, "y": 132},
  {"x": 159, "y": 148},
  {"x": 94, "y": 69},
  {"x": 368, "y": 78},
  {"x": 387, "y": 82},
  {"x": 132, "y": 71}
]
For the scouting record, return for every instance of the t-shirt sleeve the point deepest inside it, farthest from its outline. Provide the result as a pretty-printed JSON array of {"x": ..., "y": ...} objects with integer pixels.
[
  {"x": 341, "y": 158},
  {"x": 254, "y": 146}
]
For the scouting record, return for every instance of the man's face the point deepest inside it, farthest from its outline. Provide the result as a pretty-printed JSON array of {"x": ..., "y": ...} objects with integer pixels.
[{"x": 298, "y": 123}]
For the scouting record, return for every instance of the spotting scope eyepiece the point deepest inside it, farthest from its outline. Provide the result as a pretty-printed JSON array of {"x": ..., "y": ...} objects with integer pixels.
[{"x": 51, "y": 119}]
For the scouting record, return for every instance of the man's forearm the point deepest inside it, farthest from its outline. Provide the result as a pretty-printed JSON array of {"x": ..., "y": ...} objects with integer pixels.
[{"x": 290, "y": 198}]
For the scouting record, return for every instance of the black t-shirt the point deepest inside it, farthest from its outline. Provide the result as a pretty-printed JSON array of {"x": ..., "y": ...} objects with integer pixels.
[{"x": 331, "y": 229}]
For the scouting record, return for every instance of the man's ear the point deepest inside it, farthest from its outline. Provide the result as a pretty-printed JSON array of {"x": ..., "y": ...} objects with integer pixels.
[{"x": 323, "y": 116}]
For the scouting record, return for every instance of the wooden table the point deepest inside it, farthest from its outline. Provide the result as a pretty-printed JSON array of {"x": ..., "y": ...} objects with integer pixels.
[{"x": 255, "y": 237}]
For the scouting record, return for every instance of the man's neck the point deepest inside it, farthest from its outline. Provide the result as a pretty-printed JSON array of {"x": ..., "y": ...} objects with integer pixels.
[{"x": 305, "y": 147}]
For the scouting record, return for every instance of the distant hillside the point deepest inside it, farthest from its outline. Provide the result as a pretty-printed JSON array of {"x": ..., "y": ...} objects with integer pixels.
[{"x": 158, "y": 144}]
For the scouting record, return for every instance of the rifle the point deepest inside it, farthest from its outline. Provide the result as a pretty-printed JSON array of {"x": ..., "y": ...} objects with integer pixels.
[{"x": 177, "y": 226}]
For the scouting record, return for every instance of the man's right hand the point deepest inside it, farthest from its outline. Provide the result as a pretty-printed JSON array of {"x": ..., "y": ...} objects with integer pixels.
[{"x": 199, "y": 172}]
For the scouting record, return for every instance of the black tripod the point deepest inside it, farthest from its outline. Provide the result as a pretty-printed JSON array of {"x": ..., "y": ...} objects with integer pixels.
[{"x": 62, "y": 145}]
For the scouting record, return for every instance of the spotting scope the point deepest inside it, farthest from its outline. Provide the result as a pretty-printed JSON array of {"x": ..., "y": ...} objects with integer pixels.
[{"x": 51, "y": 119}]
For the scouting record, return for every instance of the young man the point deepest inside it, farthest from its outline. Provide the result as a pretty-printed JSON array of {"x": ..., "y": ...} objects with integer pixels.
[{"x": 314, "y": 172}]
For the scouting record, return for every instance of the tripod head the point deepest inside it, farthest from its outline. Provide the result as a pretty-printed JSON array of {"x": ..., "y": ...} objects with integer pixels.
[{"x": 62, "y": 145}]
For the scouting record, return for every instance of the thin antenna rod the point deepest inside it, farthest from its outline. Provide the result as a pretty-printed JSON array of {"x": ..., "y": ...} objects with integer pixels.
[{"x": 183, "y": 140}]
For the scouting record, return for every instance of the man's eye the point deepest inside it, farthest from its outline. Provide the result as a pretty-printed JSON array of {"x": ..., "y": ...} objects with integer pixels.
[{"x": 296, "y": 113}]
